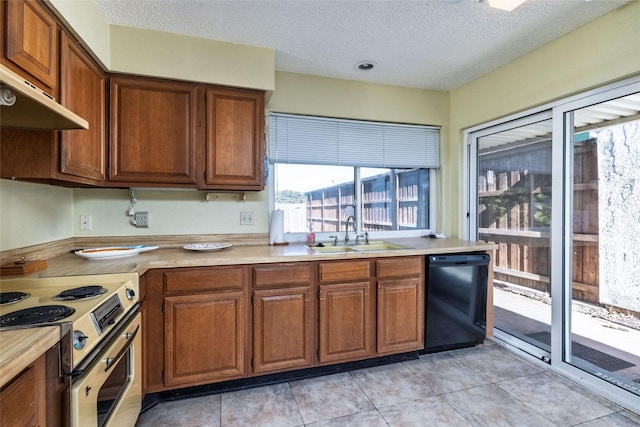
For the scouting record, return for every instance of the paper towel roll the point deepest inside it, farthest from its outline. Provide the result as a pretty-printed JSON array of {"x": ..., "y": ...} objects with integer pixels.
[{"x": 276, "y": 232}]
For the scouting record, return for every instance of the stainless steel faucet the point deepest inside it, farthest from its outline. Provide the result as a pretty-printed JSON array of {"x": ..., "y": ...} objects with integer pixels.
[{"x": 346, "y": 231}]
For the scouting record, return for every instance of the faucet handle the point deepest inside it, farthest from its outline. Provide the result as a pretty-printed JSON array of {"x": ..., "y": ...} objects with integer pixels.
[
  {"x": 358, "y": 236},
  {"x": 335, "y": 240}
]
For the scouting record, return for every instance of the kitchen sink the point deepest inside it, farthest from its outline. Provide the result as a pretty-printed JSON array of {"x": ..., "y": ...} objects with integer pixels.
[
  {"x": 331, "y": 249},
  {"x": 371, "y": 247},
  {"x": 378, "y": 246}
]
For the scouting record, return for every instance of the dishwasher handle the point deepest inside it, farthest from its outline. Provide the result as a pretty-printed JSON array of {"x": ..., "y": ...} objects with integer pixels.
[{"x": 452, "y": 260}]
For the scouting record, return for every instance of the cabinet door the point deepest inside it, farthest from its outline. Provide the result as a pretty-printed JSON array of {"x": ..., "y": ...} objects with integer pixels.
[
  {"x": 282, "y": 329},
  {"x": 82, "y": 90},
  {"x": 234, "y": 149},
  {"x": 23, "y": 400},
  {"x": 32, "y": 42},
  {"x": 204, "y": 338},
  {"x": 153, "y": 131},
  {"x": 400, "y": 315},
  {"x": 346, "y": 326}
]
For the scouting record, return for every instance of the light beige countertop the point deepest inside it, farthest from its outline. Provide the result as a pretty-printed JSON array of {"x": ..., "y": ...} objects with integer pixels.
[
  {"x": 71, "y": 264},
  {"x": 20, "y": 347}
]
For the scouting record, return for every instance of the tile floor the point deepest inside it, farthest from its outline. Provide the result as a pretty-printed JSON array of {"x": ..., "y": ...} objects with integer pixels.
[{"x": 482, "y": 386}]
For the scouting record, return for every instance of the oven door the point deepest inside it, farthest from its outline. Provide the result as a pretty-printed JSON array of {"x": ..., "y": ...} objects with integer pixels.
[{"x": 109, "y": 392}]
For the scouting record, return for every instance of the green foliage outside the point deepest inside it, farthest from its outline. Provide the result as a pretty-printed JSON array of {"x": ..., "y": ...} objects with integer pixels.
[{"x": 542, "y": 215}]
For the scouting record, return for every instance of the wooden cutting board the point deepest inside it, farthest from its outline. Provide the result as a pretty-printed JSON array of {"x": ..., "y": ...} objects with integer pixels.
[{"x": 21, "y": 268}]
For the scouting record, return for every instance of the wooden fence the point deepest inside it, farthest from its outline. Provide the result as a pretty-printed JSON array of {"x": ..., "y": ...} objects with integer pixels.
[{"x": 514, "y": 212}]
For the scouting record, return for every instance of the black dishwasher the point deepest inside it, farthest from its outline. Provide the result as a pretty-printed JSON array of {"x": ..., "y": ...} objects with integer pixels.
[{"x": 456, "y": 301}]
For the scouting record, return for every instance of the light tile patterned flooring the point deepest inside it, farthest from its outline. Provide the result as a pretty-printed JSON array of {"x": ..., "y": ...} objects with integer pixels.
[{"x": 482, "y": 386}]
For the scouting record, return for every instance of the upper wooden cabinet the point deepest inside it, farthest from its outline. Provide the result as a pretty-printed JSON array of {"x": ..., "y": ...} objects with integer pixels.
[
  {"x": 82, "y": 90},
  {"x": 160, "y": 127},
  {"x": 31, "y": 43},
  {"x": 73, "y": 156},
  {"x": 162, "y": 133},
  {"x": 234, "y": 144},
  {"x": 153, "y": 132}
]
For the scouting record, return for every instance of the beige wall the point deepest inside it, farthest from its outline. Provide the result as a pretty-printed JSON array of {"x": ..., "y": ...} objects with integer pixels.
[
  {"x": 33, "y": 213},
  {"x": 89, "y": 24},
  {"x": 170, "y": 212},
  {"x": 322, "y": 96},
  {"x": 603, "y": 51},
  {"x": 155, "y": 53}
]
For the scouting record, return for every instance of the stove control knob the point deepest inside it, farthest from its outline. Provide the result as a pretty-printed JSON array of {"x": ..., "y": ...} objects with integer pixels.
[
  {"x": 79, "y": 340},
  {"x": 130, "y": 293}
]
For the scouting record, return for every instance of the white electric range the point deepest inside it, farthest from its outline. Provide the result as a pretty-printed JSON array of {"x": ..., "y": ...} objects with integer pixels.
[{"x": 93, "y": 305}]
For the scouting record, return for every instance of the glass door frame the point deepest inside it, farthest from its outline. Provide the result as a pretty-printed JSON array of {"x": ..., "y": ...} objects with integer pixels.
[
  {"x": 472, "y": 204},
  {"x": 561, "y": 226},
  {"x": 562, "y": 235}
]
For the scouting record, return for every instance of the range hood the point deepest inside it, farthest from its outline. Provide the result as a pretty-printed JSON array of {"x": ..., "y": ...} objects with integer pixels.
[{"x": 24, "y": 106}]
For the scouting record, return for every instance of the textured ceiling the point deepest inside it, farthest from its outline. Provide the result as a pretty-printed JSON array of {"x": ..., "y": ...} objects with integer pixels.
[{"x": 431, "y": 44}]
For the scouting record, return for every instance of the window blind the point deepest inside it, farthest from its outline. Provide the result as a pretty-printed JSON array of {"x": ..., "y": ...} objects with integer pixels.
[{"x": 326, "y": 141}]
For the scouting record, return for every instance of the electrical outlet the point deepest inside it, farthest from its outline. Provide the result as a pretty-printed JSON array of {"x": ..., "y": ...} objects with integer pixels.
[
  {"x": 141, "y": 219},
  {"x": 85, "y": 222},
  {"x": 246, "y": 218}
]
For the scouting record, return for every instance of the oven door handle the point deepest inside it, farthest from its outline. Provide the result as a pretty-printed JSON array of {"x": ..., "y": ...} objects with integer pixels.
[{"x": 111, "y": 361}]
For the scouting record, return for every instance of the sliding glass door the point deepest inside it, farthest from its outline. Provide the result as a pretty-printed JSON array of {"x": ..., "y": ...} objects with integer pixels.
[
  {"x": 514, "y": 211},
  {"x": 558, "y": 190},
  {"x": 602, "y": 227}
]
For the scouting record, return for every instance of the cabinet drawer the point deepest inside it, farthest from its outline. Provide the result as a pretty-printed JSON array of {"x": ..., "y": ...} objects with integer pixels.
[
  {"x": 282, "y": 274},
  {"x": 344, "y": 270},
  {"x": 400, "y": 267},
  {"x": 204, "y": 279}
]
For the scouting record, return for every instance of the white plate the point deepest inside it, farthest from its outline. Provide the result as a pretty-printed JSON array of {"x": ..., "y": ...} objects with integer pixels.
[
  {"x": 113, "y": 251},
  {"x": 207, "y": 246}
]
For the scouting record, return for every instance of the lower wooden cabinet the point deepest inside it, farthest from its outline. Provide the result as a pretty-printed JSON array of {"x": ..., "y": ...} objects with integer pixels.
[
  {"x": 400, "y": 305},
  {"x": 282, "y": 329},
  {"x": 210, "y": 324},
  {"x": 283, "y": 317},
  {"x": 204, "y": 337},
  {"x": 195, "y": 326},
  {"x": 346, "y": 322},
  {"x": 22, "y": 401},
  {"x": 400, "y": 322}
]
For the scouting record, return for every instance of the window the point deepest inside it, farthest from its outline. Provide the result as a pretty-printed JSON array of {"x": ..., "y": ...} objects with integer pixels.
[{"x": 322, "y": 167}]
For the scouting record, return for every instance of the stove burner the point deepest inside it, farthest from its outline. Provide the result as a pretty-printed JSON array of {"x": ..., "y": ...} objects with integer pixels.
[
  {"x": 82, "y": 292},
  {"x": 34, "y": 315},
  {"x": 9, "y": 297}
]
